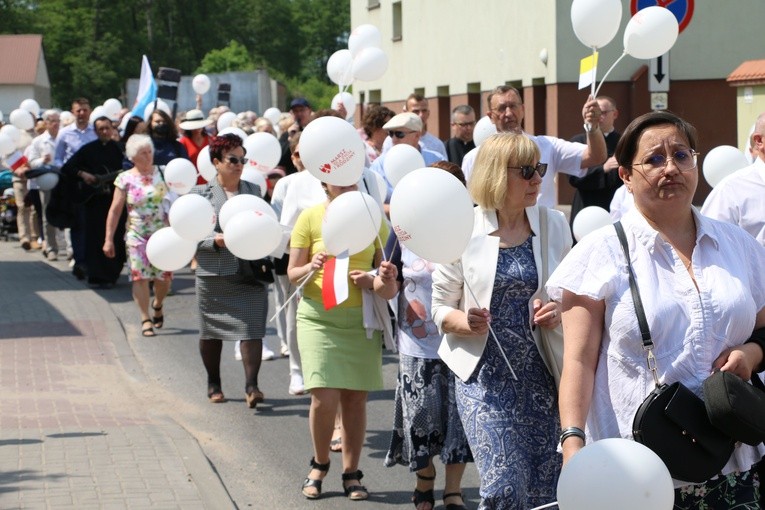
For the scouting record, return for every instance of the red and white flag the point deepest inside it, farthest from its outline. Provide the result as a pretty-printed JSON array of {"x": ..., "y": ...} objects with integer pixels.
[
  {"x": 334, "y": 285},
  {"x": 16, "y": 160}
]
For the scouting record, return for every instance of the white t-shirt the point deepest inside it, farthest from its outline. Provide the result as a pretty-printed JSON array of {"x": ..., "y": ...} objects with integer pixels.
[
  {"x": 689, "y": 328},
  {"x": 560, "y": 155},
  {"x": 740, "y": 199}
]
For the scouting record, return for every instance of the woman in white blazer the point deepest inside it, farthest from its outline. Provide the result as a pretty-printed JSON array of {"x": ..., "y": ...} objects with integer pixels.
[{"x": 506, "y": 397}]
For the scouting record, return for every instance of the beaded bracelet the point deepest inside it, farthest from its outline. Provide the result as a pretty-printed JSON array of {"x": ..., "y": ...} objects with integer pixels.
[{"x": 572, "y": 431}]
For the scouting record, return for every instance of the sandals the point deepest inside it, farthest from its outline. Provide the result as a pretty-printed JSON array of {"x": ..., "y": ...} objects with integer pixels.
[
  {"x": 215, "y": 394},
  {"x": 157, "y": 320},
  {"x": 336, "y": 445},
  {"x": 253, "y": 396},
  {"x": 147, "y": 331},
  {"x": 310, "y": 483},
  {"x": 419, "y": 497},
  {"x": 355, "y": 492},
  {"x": 454, "y": 506}
]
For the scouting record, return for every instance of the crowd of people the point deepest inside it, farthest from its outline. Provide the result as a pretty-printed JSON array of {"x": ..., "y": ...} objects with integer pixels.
[{"x": 476, "y": 384}]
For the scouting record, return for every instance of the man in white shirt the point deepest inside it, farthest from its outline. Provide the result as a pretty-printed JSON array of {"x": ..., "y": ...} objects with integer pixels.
[
  {"x": 738, "y": 198},
  {"x": 40, "y": 152},
  {"x": 418, "y": 105},
  {"x": 506, "y": 111}
]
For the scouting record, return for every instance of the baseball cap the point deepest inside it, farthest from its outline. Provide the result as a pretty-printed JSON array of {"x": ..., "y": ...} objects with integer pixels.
[
  {"x": 299, "y": 101},
  {"x": 406, "y": 120}
]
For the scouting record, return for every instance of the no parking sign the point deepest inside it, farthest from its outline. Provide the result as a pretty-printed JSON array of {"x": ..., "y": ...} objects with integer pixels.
[{"x": 682, "y": 9}]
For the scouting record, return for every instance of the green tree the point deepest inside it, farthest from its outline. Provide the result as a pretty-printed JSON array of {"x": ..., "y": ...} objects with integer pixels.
[{"x": 233, "y": 57}]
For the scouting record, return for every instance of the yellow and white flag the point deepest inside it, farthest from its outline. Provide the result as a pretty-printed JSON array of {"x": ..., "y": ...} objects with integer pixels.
[{"x": 588, "y": 68}]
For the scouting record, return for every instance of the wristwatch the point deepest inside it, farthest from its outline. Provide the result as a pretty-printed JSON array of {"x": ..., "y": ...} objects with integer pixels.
[{"x": 588, "y": 128}]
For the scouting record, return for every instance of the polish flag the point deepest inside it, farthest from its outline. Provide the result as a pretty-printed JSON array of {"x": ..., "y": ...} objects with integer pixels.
[
  {"x": 16, "y": 160},
  {"x": 334, "y": 285}
]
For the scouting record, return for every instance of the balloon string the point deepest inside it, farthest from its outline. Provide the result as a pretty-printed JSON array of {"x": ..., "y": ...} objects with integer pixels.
[
  {"x": 493, "y": 335},
  {"x": 549, "y": 505},
  {"x": 371, "y": 218},
  {"x": 302, "y": 282},
  {"x": 609, "y": 72}
]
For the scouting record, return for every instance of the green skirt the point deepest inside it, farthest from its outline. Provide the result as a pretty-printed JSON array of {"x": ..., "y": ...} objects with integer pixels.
[{"x": 334, "y": 349}]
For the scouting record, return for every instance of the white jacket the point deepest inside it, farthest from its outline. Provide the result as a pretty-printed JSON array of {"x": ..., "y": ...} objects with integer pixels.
[{"x": 478, "y": 265}]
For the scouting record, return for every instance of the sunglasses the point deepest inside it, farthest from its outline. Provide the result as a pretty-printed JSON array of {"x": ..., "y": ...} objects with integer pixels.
[
  {"x": 527, "y": 171},
  {"x": 235, "y": 161},
  {"x": 399, "y": 134}
]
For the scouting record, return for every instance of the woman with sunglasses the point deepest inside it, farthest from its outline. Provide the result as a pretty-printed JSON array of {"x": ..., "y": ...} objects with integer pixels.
[
  {"x": 506, "y": 396},
  {"x": 230, "y": 308}
]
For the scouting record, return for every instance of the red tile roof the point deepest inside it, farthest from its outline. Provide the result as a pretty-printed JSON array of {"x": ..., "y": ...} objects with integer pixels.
[
  {"x": 19, "y": 58},
  {"x": 751, "y": 72}
]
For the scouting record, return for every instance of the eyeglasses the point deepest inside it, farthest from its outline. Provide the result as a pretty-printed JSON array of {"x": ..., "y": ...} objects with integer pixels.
[
  {"x": 685, "y": 161},
  {"x": 527, "y": 171},
  {"x": 399, "y": 134},
  {"x": 501, "y": 108},
  {"x": 465, "y": 124},
  {"x": 291, "y": 132},
  {"x": 235, "y": 161}
]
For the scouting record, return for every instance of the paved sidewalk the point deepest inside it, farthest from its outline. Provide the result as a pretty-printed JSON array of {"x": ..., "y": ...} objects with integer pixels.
[{"x": 77, "y": 424}]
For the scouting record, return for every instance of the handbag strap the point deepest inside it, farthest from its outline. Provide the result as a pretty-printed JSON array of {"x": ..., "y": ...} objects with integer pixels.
[{"x": 645, "y": 332}]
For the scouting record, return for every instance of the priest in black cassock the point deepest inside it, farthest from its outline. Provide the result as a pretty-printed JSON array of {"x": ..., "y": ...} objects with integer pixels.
[{"x": 91, "y": 172}]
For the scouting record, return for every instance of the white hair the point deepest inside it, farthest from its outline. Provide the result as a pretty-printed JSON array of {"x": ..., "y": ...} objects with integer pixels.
[{"x": 137, "y": 142}]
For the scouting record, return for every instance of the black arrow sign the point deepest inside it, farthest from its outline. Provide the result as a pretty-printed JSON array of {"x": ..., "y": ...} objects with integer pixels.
[{"x": 659, "y": 69}]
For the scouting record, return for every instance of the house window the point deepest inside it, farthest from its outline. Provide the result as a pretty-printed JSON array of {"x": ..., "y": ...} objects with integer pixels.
[
  {"x": 396, "y": 21},
  {"x": 373, "y": 4}
]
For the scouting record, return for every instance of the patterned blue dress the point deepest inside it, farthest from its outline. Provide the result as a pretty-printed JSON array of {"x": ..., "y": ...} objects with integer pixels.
[{"x": 512, "y": 426}]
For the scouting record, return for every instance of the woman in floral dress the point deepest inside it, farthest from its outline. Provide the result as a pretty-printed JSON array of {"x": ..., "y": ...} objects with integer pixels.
[{"x": 143, "y": 189}]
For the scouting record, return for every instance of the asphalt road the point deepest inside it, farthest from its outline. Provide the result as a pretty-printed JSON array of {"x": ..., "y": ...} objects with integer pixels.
[{"x": 261, "y": 455}]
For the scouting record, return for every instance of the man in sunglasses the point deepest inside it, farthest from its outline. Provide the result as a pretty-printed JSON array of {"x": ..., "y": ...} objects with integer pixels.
[
  {"x": 506, "y": 111},
  {"x": 418, "y": 105},
  {"x": 404, "y": 128}
]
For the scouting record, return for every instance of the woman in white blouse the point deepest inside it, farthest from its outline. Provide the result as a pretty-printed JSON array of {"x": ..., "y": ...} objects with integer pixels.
[{"x": 702, "y": 286}]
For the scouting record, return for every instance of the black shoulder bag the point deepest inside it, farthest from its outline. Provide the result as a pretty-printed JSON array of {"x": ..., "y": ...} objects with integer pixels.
[{"x": 672, "y": 421}]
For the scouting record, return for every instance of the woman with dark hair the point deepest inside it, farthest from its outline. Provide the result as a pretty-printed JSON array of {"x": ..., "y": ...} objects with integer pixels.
[
  {"x": 372, "y": 129},
  {"x": 703, "y": 292},
  {"x": 230, "y": 308},
  {"x": 163, "y": 134}
]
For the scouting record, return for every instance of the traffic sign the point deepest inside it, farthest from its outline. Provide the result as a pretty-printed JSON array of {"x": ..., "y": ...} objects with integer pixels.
[
  {"x": 658, "y": 77},
  {"x": 682, "y": 9}
]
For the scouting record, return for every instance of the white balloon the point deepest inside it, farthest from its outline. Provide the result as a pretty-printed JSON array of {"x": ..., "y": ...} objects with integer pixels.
[
  {"x": 596, "y": 22},
  {"x": 382, "y": 188},
  {"x": 400, "y": 160},
  {"x": 364, "y": 36},
  {"x": 168, "y": 251},
  {"x": 340, "y": 68},
  {"x": 721, "y": 162},
  {"x": 112, "y": 107},
  {"x": 615, "y": 473},
  {"x": 47, "y": 181},
  {"x": 255, "y": 176},
  {"x": 31, "y": 106},
  {"x": 370, "y": 64},
  {"x": 192, "y": 217},
  {"x": 241, "y": 203},
  {"x": 252, "y": 235},
  {"x": 273, "y": 114},
  {"x": 22, "y": 119},
  {"x": 180, "y": 175},
  {"x": 200, "y": 83},
  {"x": 66, "y": 118},
  {"x": 161, "y": 105},
  {"x": 263, "y": 151},
  {"x": 484, "y": 128},
  {"x": 225, "y": 120},
  {"x": 6, "y": 144},
  {"x": 205, "y": 165},
  {"x": 351, "y": 222},
  {"x": 588, "y": 220},
  {"x": 348, "y": 101},
  {"x": 432, "y": 215},
  {"x": 97, "y": 112},
  {"x": 235, "y": 131},
  {"x": 11, "y": 132},
  {"x": 332, "y": 151},
  {"x": 651, "y": 32}
]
